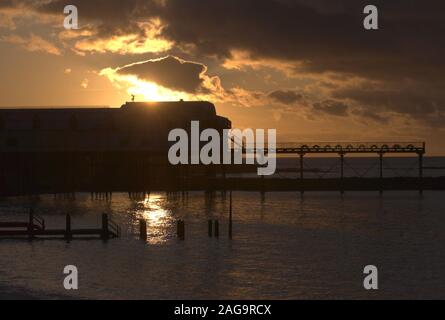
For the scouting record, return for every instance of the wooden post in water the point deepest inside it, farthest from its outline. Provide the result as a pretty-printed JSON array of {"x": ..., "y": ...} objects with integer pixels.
[
  {"x": 342, "y": 161},
  {"x": 223, "y": 167},
  {"x": 210, "y": 228},
  {"x": 263, "y": 192},
  {"x": 68, "y": 233},
  {"x": 301, "y": 172},
  {"x": 143, "y": 229},
  {"x": 178, "y": 228},
  {"x": 31, "y": 224},
  {"x": 230, "y": 216},
  {"x": 216, "y": 228},
  {"x": 381, "y": 172},
  {"x": 105, "y": 233},
  {"x": 421, "y": 173},
  {"x": 181, "y": 229}
]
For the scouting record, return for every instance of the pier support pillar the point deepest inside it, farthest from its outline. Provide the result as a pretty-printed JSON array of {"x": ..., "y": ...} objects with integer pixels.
[
  {"x": 143, "y": 229},
  {"x": 230, "y": 216},
  {"x": 181, "y": 230},
  {"x": 105, "y": 233},
  {"x": 31, "y": 224},
  {"x": 342, "y": 161},
  {"x": 210, "y": 228},
  {"x": 381, "y": 172},
  {"x": 223, "y": 168},
  {"x": 301, "y": 172},
  {"x": 216, "y": 228},
  {"x": 68, "y": 233},
  {"x": 263, "y": 191},
  {"x": 421, "y": 173}
]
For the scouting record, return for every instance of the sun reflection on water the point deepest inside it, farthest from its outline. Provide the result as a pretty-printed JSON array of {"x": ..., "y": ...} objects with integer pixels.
[{"x": 159, "y": 218}]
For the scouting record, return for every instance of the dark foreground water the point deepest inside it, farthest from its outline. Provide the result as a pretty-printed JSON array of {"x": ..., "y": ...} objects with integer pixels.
[{"x": 285, "y": 247}]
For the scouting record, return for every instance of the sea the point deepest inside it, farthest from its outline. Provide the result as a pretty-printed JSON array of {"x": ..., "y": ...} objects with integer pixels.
[{"x": 285, "y": 245}]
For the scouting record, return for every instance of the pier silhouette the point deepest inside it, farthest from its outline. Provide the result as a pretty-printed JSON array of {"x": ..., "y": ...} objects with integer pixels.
[{"x": 105, "y": 150}]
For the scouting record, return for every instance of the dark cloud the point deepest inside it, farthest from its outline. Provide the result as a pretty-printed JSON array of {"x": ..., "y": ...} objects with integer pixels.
[
  {"x": 286, "y": 96},
  {"x": 318, "y": 36},
  {"x": 324, "y": 40},
  {"x": 403, "y": 101},
  {"x": 326, "y": 35},
  {"x": 7, "y": 4},
  {"x": 111, "y": 17},
  {"x": 169, "y": 72},
  {"x": 331, "y": 107}
]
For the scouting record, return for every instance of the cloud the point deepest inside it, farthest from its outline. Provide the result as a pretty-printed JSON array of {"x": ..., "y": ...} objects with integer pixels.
[
  {"x": 7, "y": 21},
  {"x": 285, "y": 96},
  {"x": 33, "y": 43},
  {"x": 150, "y": 41},
  {"x": 331, "y": 107},
  {"x": 421, "y": 102},
  {"x": 84, "y": 83},
  {"x": 167, "y": 78},
  {"x": 308, "y": 41},
  {"x": 322, "y": 35},
  {"x": 170, "y": 72},
  {"x": 105, "y": 26},
  {"x": 323, "y": 38}
]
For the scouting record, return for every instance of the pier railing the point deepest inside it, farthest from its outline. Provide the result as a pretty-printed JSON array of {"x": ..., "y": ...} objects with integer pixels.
[{"x": 340, "y": 147}]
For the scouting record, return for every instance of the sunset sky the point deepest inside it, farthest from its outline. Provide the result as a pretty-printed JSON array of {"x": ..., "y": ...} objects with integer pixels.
[{"x": 305, "y": 67}]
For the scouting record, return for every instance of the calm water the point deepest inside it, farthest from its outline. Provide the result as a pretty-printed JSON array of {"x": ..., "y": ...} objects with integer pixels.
[{"x": 284, "y": 247}]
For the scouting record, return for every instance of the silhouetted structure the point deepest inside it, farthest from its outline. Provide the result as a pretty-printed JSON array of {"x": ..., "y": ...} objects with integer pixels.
[
  {"x": 101, "y": 150},
  {"x": 44, "y": 150},
  {"x": 344, "y": 148}
]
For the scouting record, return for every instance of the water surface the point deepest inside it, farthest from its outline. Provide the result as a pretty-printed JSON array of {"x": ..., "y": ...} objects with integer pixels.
[{"x": 284, "y": 247}]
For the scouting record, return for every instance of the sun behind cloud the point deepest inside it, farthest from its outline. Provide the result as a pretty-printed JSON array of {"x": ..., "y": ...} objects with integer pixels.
[
  {"x": 143, "y": 90},
  {"x": 150, "y": 91},
  {"x": 165, "y": 79}
]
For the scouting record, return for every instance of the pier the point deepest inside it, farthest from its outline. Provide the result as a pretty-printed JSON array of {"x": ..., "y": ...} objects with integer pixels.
[
  {"x": 34, "y": 229},
  {"x": 138, "y": 173},
  {"x": 342, "y": 149}
]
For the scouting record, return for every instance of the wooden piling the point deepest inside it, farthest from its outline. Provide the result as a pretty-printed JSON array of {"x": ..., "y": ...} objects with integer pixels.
[
  {"x": 181, "y": 229},
  {"x": 68, "y": 232},
  {"x": 143, "y": 229},
  {"x": 210, "y": 228},
  {"x": 342, "y": 161},
  {"x": 31, "y": 224},
  {"x": 230, "y": 216},
  {"x": 216, "y": 228},
  {"x": 381, "y": 172},
  {"x": 263, "y": 188},
  {"x": 105, "y": 233},
  {"x": 421, "y": 173},
  {"x": 301, "y": 173}
]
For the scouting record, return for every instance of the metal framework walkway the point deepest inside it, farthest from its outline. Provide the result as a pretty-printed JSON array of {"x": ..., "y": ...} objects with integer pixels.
[{"x": 343, "y": 148}]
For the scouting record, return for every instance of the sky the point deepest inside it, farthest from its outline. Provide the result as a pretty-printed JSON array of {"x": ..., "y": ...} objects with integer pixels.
[{"x": 307, "y": 68}]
